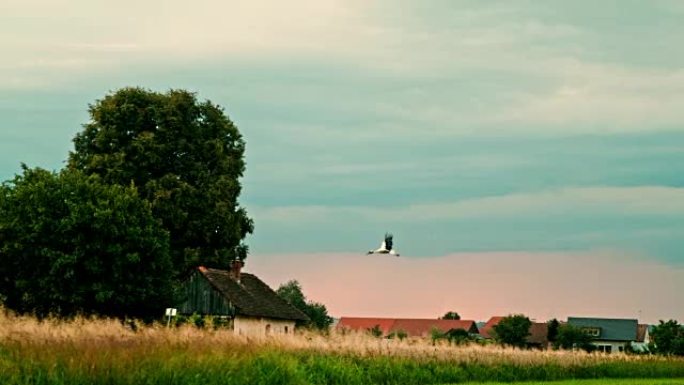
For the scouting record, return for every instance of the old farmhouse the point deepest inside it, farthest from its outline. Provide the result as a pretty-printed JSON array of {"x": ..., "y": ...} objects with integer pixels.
[{"x": 248, "y": 305}]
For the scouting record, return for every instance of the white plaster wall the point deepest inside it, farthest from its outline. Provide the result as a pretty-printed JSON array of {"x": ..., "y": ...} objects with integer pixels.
[
  {"x": 251, "y": 326},
  {"x": 616, "y": 345}
]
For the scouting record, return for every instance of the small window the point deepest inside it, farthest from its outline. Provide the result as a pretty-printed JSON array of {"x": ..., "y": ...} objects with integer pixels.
[
  {"x": 268, "y": 328},
  {"x": 285, "y": 329}
]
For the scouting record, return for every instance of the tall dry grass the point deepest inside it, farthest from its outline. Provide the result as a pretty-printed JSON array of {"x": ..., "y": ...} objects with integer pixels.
[
  {"x": 94, "y": 350},
  {"x": 109, "y": 333}
]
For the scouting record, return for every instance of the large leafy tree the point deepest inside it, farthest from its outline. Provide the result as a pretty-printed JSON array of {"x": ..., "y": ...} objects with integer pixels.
[
  {"x": 70, "y": 244},
  {"x": 317, "y": 312},
  {"x": 513, "y": 330},
  {"x": 186, "y": 159}
]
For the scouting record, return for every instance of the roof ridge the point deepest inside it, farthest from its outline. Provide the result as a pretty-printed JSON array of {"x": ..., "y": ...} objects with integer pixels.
[
  {"x": 606, "y": 319},
  {"x": 412, "y": 319}
]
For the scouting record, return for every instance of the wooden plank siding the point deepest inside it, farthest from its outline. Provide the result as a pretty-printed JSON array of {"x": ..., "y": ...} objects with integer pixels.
[{"x": 203, "y": 298}]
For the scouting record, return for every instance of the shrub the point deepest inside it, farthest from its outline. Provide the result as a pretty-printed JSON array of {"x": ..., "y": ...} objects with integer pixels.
[{"x": 375, "y": 331}]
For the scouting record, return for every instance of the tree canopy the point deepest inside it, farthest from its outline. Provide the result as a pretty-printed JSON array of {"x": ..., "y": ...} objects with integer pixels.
[
  {"x": 552, "y": 330},
  {"x": 668, "y": 338},
  {"x": 70, "y": 244},
  {"x": 451, "y": 315},
  {"x": 513, "y": 330},
  {"x": 570, "y": 337},
  {"x": 317, "y": 312},
  {"x": 185, "y": 158}
]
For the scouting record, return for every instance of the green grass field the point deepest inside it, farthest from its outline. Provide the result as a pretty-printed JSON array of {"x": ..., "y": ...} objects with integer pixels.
[
  {"x": 676, "y": 381},
  {"x": 94, "y": 351}
]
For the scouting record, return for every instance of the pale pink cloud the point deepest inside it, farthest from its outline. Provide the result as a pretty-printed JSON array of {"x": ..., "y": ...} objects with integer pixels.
[{"x": 480, "y": 285}]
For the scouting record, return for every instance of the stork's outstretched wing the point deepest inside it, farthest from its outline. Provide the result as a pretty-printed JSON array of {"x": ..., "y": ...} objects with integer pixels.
[{"x": 388, "y": 241}]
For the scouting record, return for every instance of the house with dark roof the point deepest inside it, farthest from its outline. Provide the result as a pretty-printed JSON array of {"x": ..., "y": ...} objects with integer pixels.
[
  {"x": 609, "y": 335},
  {"x": 643, "y": 338},
  {"x": 249, "y": 305},
  {"x": 538, "y": 337},
  {"x": 413, "y": 327},
  {"x": 539, "y": 333}
]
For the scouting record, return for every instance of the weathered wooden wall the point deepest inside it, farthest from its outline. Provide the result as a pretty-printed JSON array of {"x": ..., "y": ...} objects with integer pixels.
[{"x": 202, "y": 298}]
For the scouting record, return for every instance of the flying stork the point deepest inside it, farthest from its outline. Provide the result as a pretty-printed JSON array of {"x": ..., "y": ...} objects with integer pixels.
[{"x": 386, "y": 247}]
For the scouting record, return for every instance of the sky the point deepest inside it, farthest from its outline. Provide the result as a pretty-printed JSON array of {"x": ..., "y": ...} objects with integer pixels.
[{"x": 527, "y": 156}]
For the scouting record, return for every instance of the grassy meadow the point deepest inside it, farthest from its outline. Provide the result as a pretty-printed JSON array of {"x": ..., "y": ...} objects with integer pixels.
[
  {"x": 610, "y": 381},
  {"x": 96, "y": 351}
]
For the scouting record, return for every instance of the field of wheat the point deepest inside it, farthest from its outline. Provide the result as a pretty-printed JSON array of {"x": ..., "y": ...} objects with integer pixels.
[{"x": 93, "y": 351}]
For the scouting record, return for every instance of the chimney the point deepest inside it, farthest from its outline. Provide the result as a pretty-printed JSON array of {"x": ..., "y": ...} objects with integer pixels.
[{"x": 235, "y": 267}]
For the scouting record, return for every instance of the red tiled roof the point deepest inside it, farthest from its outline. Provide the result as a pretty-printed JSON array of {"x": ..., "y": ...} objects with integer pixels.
[
  {"x": 423, "y": 327},
  {"x": 412, "y": 326},
  {"x": 488, "y": 328},
  {"x": 361, "y": 324}
]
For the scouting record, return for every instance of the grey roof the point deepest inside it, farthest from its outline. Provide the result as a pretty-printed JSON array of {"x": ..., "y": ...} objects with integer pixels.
[
  {"x": 612, "y": 329},
  {"x": 252, "y": 297}
]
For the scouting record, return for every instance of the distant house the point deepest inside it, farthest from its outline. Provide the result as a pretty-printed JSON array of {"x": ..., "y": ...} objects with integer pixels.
[
  {"x": 538, "y": 337},
  {"x": 413, "y": 327},
  {"x": 643, "y": 338},
  {"x": 539, "y": 333},
  {"x": 487, "y": 331},
  {"x": 246, "y": 302},
  {"x": 609, "y": 335}
]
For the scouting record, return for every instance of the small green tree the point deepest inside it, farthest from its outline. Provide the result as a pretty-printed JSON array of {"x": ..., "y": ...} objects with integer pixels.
[
  {"x": 436, "y": 334},
  {"x": 375, "y": 331},
  {"x": 552, "y": 330},
  {"x": 668, "y": 338},
  {"x": 292, "y": 293},
  {"x": 571, "y": 337},
  {"x": 457, "y": 336},
  {"x": 317, "y": 312},
  {"x": 400, "y": 334},
  {"x": 451, "y": 315},
  {"x": 513, "y": 330}
]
